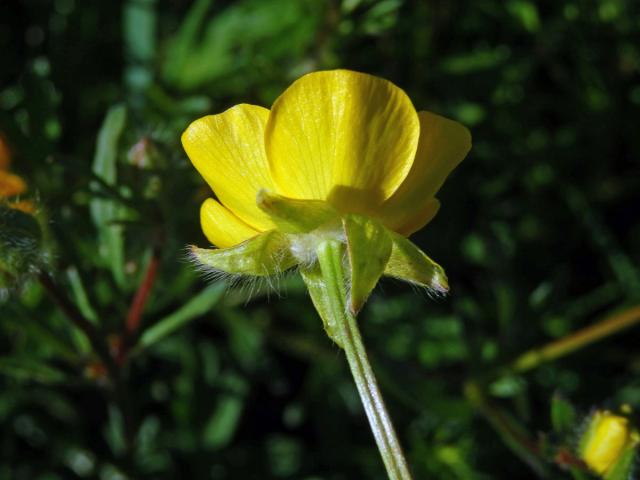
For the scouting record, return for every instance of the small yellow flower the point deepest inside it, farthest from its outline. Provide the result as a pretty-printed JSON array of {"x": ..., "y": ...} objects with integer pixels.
[
  {"x": 606, "y": 440},
  {"x": 11, "y": 185},
  {"x": 339, "y": 153}
]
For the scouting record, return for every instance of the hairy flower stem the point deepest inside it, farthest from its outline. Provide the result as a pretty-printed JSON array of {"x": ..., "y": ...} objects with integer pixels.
[{"x": 330, "y": 257}]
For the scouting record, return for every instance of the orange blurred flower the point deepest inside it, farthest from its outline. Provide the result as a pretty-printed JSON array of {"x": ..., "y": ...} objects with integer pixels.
[{"x": 11, "y": 185}]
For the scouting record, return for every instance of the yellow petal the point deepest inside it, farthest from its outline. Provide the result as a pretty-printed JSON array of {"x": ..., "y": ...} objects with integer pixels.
[
  {"x": 419, "y": 219},
  {"x": 221, "y": 227},
  {"x": 228, "y": 151},
  {"x": 341, "y": 136},
  {"x": 443, "y": 145},
  {"x": 11, "y": 184}
]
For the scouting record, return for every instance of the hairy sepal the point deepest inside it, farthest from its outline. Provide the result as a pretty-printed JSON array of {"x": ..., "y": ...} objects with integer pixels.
[
  {"x": 263, "y": 255},
  {"x": 369, "y": 248},
  {"x": 295, "y": 216},
  {"x": 407, "y": 262}
]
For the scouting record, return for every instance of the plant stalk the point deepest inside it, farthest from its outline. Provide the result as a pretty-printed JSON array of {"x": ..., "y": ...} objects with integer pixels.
[{"x": 330, "y": 257}]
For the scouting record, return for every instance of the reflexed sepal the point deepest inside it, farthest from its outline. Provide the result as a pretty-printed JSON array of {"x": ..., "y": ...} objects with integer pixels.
[
  {"x": 409, "y": 263},
  {"x": 320, "y": 296},
  {"x": 263, "y": 255},
  {"x": 295, "y": 216},
  {"x": 369, "y": 248}
]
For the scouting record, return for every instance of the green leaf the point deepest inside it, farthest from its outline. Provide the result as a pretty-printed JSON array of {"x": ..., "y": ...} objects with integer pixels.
[
  {"x": 409, "y": 263},
  {"x": 106, "y": 212},
  {"x": 369, "y": 248},
  {"x": 563, "y": 415},
  {"x": 224, "y": 421},
  {"x": 263, "y": 255},
  {"x": 80, "y": 294},
  {"x": 208, "y": 47},
  {"x": 30, "y": 370},
  {"x": 139, "y": 19},
  {"x": 199, "y": 305},
  {"x": 295, "y": 216}
]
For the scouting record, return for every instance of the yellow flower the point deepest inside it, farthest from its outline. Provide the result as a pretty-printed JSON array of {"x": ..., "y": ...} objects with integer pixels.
[
  {"x": 11, "y": 185},
  {"x": 608, "y": 443},
  {"x": 344, "y": 137},
  {"x": 336, "y": 146}
]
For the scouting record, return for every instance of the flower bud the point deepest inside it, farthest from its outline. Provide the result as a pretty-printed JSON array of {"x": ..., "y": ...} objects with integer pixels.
[{"x": 605, "y": 442}]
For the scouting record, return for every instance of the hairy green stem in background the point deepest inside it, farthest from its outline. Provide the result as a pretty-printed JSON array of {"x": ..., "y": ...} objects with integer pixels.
[
  {"x": 330, "y": 257},
  {"x": 610, "y": 325}
]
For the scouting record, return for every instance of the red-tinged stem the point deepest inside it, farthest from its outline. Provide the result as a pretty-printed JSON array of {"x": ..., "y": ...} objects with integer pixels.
[{"x": 140, "y": 299}]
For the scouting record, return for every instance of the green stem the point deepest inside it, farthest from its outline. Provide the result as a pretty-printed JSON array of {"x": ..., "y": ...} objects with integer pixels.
[
  {"x": 330, "y": 257},
  {"x": 611, "y": 325}
]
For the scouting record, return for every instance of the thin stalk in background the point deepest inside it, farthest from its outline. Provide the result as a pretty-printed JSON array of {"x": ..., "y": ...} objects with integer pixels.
[{"x": 330, "y": 258}]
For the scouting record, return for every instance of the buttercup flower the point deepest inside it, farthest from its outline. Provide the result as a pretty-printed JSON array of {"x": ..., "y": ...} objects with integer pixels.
[
  {"x": 609, "y": 443},
  {"x": 333, "y": 179},
  {"x": 340, "y": 154}
]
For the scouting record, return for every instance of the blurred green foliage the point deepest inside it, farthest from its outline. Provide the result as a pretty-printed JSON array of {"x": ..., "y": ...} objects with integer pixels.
[{"x": 538, "y": 232}]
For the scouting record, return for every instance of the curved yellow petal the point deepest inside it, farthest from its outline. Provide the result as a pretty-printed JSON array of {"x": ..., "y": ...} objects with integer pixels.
[
  {"x": 443, "y": 145},
  {"x": 221, "y": 227},
  {"x": 228, "y": 151},
  {"x": 341, "y": 136},
  {"x": 409, "y": 224},
  {"x": 11, "y": 184}
]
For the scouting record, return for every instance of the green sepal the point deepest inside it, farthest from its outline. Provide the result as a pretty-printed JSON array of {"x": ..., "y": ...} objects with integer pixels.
[
  {"x": 409, "y": 263},
  {"x": 263, "y": 255},
  {"x": 320, "y": 296},
  {"x": 369, "y": 248},
  {"x": 295, "y": 216},
  {"x": 623, "y": 467}
]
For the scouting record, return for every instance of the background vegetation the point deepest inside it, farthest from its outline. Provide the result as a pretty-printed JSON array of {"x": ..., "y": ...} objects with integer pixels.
[{"x": 538, "y": 232}]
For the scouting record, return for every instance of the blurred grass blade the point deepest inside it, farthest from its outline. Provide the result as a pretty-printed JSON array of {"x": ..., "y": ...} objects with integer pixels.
[
  {"x": 197, "y": 306},
  {"x": 621, "y": 264},
  {"x": 185, "y": 41},
  {"x": 139, "y": 31},
  {"x": 224, "y": 421},
  {"x": 30, "y": 370},
  {"x": 80, "y": 295},
  {"x": 105, "y": 211}
]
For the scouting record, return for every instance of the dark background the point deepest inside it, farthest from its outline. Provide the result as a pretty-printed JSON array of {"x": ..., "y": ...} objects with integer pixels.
[{"x": 538, "y": 233}]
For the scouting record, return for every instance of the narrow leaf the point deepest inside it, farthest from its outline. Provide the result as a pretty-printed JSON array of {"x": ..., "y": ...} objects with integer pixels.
[
  {"x": 369, "y": 247},
  {"x": 409, "y": 263},
  {"x": 105, "y": 212},
  {"x": 30, "y": 370},
  {"x": 194, "y": 308}
]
